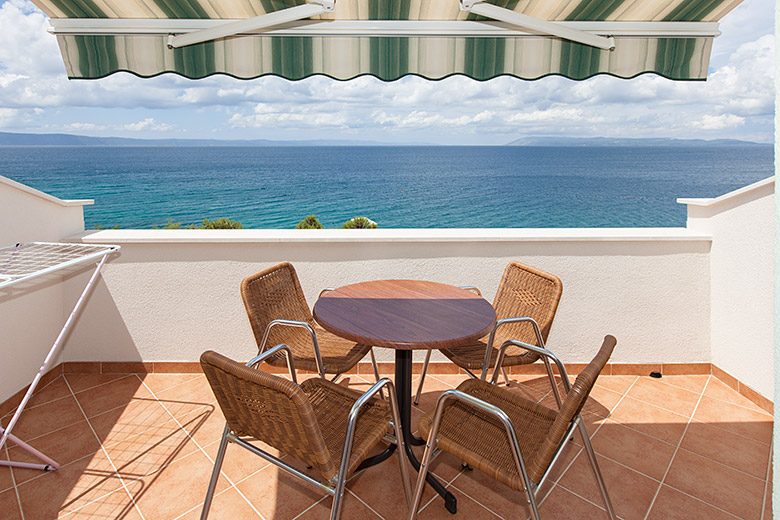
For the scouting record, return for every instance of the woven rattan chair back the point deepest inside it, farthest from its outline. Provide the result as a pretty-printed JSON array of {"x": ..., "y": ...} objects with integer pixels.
[
  {"x": 570, "y": 409},
  {"x": 268, "y": 408},
  {"x": 276, "y": 293},
  {"x": 527, "y": 291}
]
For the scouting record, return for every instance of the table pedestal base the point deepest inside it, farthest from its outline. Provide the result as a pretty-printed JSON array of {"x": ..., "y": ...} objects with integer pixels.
[{"x": 403, "y": 389}]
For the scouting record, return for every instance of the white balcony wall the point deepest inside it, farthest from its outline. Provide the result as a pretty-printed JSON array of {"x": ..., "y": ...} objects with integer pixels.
[
  {"x": 741, "y": 224},
  {"x": 31, "y": 315},
  {"x": 169, "y": 295}
]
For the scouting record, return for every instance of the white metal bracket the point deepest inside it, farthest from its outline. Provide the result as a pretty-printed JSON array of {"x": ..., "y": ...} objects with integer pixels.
[
  {"x": 299, "y": 12},
  {"x": 495, "y": 12}
]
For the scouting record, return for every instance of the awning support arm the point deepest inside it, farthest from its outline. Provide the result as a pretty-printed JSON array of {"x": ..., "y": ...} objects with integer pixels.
[
  {"x": 299, "y": 12},
  {"x": 483, "y": 8}
]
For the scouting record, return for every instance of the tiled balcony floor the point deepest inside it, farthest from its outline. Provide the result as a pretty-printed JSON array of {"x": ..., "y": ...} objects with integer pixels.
[{"x": 131, "y": 446}]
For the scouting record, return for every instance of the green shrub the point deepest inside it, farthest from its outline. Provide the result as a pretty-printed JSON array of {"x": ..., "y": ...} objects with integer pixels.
[
  {"x": 172, "y": 225},
  {"x": 310, "y": 222},
  {"x": 222, "y": 223},
  {"x": 359, "y": 223}
]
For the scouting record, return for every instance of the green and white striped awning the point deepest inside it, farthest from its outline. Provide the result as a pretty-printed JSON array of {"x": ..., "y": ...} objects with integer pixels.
[{"x": 387, "y": 38}]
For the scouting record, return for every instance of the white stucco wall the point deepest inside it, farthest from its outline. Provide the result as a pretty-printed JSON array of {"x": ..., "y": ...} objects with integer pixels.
[
  {"x": 742, "y": 280},
  {"x": 31, "y": 315},
  {"x": 169, "y": 295}
]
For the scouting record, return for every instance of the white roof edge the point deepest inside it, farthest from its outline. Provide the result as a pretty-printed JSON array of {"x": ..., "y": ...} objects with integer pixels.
[
  {"x": 163, "y": 236},
  {"x": 728, "y": 196},
  {"x": 45, "y": 196}
]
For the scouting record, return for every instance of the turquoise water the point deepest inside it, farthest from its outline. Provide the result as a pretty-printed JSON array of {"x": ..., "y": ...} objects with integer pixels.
[{"x": 398, "y": 187}]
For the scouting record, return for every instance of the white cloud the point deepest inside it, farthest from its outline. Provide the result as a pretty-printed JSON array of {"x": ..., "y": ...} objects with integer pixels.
[
  {"x": 7, "y": 116},
  {"x": 84, "y": 126},
  {"x": 147, "y": 124},
  {"x": 720, "y": 122}
]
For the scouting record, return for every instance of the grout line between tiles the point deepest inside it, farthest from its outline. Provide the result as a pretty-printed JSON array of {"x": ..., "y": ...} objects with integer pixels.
[
  {"x": 757, "y": 409},
  {"x": 362, "y": 502},
  {"x": 116, "y": 471},
  {"x": 13, "y": 482},
  {"x": 200, "y": 448},
  {"x": 310, "y": 507},
  {"x": 679, "y": 443}
]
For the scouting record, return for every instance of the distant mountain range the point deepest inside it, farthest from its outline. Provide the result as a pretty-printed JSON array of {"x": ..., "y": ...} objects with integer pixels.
[
  {"x": 611, "y": 141},
  {"x": 14, "y": 139}
]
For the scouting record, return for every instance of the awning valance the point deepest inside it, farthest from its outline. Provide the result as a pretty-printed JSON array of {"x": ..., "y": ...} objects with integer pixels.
[{"x": 387, "y": 38}]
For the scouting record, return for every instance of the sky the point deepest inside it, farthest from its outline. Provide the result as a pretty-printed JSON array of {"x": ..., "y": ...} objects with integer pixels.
[{"x": 736, "y": 102}]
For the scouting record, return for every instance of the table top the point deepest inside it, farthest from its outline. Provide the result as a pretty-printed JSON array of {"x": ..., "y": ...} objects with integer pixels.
[{"x": 405, "y": 314}]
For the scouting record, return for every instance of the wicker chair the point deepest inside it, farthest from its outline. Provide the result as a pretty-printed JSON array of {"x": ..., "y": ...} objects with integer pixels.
[
  {"x": 512, "y": 439},
  {"x": 279, "y": 313},
  {"x": 525, "y": 303},
  {"x": 328, "y": 427}
]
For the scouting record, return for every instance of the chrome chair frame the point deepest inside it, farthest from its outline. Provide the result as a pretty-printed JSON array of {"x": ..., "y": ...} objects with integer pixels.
[
  {"x": 531, "y": 487},
  {"x": 335, "y": 487}
]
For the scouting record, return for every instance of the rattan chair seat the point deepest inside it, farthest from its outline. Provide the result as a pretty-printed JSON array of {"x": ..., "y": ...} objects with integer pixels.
[
  {"x": 472, "y": 356},
  {"x": 331, "y": 404},
  {"x": 339, "y": 355},
  {"x": 480, "y": 439}
]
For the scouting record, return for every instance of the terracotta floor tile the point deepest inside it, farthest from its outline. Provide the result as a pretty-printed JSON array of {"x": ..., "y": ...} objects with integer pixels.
[
  {"x": 651, "y": 420},
  {"x": 68, "y": 488},
  {"x": 351, "y": 509},
  {"x": 150, "y": 452},
  {"x": 6, "y": 480},
  {"x": 534, "y": 393},
  {"x": 279, "y": 495},
  {"x": 124, "y": 422},
  {"x": 381, "y": 487},
  {"x": 444, "y": 466},
  {"x": 228, "y": 505},
  {"x": 716, "y": 484},
  {"x": 188, "y": 477},
  {"x": 159, "y": 382},
  {"x": 118, "y": 505},
  {"x": 432, "y": 389},
  {"x": 619, "y": 384},
  {"x": 660, "y": 394},
  {"x": 501, "y": 499},
  {"x": 674, "y": 505},
  {"x": 46, "y": 418},
  {"x": 116, "y": 394},
  {"x": 57, "y": 389},
  {"x": 568, "y": 455},
  {"x": 64, "y": 446},
  {"x": 9, "y": 505},
  {"x": 692, "y": 383},
  {"x": 600, "y": 402},
  {"x": 80, "y": 382},
  {"x": 240, "y": 463},
  {"x": 561, "y": 503},
  {"x": 631, "y": 492},
  {"x": 205, "y": 424},
  {"x": 719, "y": 390},
  {"x": 727, "y": 448},
  {"x": 767, "y": 515},
  {"x": 638, "y": 451},
  {"x": 467, "y": 508},
  {"x": 737, "y": 419},
  {"x": 188, "y": 397}
]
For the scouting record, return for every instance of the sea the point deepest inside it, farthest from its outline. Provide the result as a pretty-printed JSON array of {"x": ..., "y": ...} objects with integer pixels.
[{"x": 397, "y": 187}]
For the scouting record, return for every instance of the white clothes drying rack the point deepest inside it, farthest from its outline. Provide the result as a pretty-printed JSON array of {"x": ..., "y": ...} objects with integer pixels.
[{"x": 23, "y": 262}]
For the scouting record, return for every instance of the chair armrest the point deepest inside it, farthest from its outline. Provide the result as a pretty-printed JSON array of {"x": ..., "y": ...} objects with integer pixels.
[
  {"x": 275, "y": 350},
  {"x": 301, "y": 324},
  {"x": 533, "y": 348},
  {"x": 491, "y": 338},
  {"x": 472, "y": 289},
  {"x": 326, "y": 289}
]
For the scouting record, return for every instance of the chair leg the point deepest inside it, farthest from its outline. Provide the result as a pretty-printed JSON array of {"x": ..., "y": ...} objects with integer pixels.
[
  {"x": 338, "y": 496},
  {"x": 423, "y": 472},
  {"x": 215, "y": 474},
  {"x": 506, "y": 377},
  {"x": 399, "y": 439},
  {"x": 376, "y": 372},
  {"x": 422, "y": 377},
  {"x": 596, "y": 471},
  {"x": 551, "y": 376}
]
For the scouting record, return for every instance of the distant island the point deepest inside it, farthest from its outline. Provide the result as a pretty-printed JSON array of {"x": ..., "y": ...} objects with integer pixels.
[
  {"x": 614, "y": 141},
  {"x": 20, "y": 139}
]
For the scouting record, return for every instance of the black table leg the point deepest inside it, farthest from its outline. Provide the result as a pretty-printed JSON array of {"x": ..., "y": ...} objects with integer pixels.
[{"x": 403, "y": 390}]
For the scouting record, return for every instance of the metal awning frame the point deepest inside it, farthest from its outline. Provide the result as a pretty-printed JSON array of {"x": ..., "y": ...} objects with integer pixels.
[{"x": 188, "y": 31}]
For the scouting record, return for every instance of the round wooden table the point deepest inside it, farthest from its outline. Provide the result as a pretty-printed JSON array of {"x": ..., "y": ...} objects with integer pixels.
[{"x": 406, "y": 315}]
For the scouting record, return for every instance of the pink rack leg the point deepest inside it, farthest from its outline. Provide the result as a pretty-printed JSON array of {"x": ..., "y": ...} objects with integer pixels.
[{"x": 50, "y": 465}]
